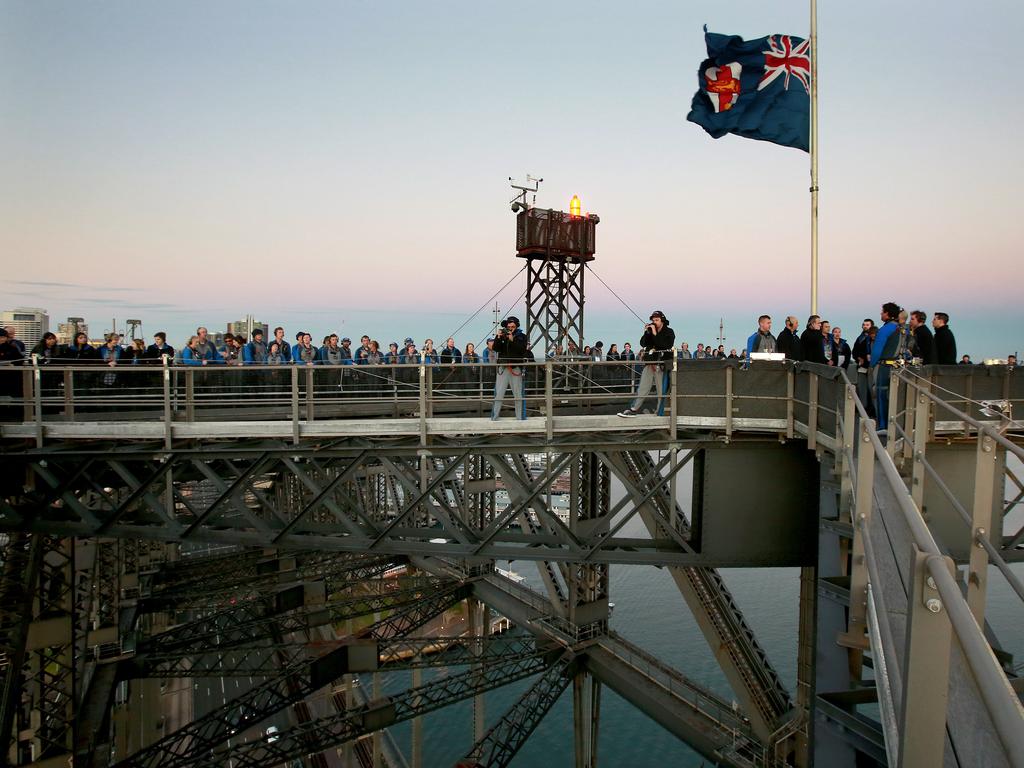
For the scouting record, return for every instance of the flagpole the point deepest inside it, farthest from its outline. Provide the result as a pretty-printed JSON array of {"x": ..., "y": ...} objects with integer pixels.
[{"x": 814, "y": 157}]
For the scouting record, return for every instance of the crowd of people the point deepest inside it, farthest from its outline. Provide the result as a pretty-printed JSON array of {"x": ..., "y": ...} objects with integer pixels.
[{"x": 899, "y": 336}]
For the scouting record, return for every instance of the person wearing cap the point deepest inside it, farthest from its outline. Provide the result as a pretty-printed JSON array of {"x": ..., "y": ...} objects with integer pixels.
[
  {"x": 510, "y": 347},
  {"x": 255, "y": 352},
  {"x": 410, "y": 356},
  {"x": 657, "y": 343},
  {"x": 304, "y": 353},
  {"x": 489, "y": 355},
  {"x": 392, "y": 356},
  {"x": 346, "y": 350}
]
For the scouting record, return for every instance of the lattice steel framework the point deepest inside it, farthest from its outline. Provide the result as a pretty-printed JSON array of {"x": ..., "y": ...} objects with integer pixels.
[{"x": 557, "y": 247}]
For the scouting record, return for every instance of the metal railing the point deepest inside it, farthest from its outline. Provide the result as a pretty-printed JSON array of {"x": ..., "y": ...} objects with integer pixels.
[
  {"x": 913, "y": 680},
  {"x": 722, "y": 395}
]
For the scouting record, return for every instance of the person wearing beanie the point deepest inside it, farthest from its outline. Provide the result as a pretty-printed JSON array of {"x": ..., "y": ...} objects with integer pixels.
[
  {"x": 657, "y": 343},
  {"x": 510, "y": 351}
]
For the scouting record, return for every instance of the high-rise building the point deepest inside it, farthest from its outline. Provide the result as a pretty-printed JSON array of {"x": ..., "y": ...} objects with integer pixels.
[
  {"x": 29, "y": 323},
  {"x": 246, "y": 327},
  {"x": 66, "y": 331}
]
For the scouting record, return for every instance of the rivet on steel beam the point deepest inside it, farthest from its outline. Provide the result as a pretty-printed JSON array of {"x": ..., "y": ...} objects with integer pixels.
[
  {"x": 931, "y": 583},
  {"x": 933, "y": 604}
]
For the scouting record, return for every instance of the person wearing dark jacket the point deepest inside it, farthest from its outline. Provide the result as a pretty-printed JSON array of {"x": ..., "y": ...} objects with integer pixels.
[
  {"x": 812, "y": 346},
  {"x": 46, "y": 350},
  {"x": 158, "y": 349},
  {"x": 922, "y": 343},
  {"x": 657, "y": 342},
  {"x": 788, "y": 342},
  {"x": 861, "y": 353},
  {"x": 841, "y": 349},
  {"x": 945, "y": 343},
  {"x": 81, "y": 350},
  {"x": 10, "y": 378},
  {"x": 510, "y": 348}
]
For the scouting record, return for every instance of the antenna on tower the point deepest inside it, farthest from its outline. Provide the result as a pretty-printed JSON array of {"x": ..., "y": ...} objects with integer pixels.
[
  {"x": 721, "y": 331},
  {"x": 519, "y": 201}
]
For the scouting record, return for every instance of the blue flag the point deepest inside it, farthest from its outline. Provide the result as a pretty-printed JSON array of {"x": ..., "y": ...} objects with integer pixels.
[{"x": 756, "y": 88}]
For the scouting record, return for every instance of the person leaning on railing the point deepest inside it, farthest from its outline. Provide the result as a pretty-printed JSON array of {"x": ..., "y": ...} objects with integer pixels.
[{"x": 657, "y": 342}]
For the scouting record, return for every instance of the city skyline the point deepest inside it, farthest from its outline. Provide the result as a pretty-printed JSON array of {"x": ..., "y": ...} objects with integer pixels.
[{"x": 333, "y": 161}]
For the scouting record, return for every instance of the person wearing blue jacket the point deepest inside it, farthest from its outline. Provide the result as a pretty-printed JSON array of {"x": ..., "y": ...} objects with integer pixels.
[
  {"x": 284, "y": 349},
  {"x": 255, "y": 352},
  {"x": 191, "y": 355},
  {"x": 304, "y": 353},
  {"x": 761, "y": 340},
  {"x": 883, "y": 356}
]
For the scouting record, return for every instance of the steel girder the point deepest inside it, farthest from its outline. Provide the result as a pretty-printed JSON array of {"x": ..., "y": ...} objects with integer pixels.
[
  {"x": 336, "y": 571},
  {"x": 505, "y": 738},
  {"x": 433, "y": 520},
  {"x": 326, "y": 732},
  {"x": 746, "y": 665},
  {"x": 186, "y": 745},
  {"x": 284, "y": 612},
  {"x": 265, "y": 658},
  {"x": 19, "y": 573}
]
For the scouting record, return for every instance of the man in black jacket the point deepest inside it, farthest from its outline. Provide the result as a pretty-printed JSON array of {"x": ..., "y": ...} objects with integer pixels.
[
  {"x": 923, "y": 341},
  {"x": 158, "y": 349},
  {"x": 788, "y": 342},
  {"x": 812, "y": 345},
  {"x": 657, "y": 343},
  {"x": 945, "y": 343},
  {"x": 510, "y": 348}
]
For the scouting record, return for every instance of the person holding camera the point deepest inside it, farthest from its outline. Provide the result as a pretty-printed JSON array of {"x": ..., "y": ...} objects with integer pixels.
[
  {"x": 510, "y": 350},
  {"x": 657, "y": 343}
]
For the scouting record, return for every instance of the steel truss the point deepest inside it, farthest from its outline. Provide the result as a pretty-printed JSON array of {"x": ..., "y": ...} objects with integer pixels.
[
  {"x": 285, "y": 612},
  {"x": 333, "y": 570},
  {"x": 501, "y": 743},
  {"x": 331, "y": 731},
  {"x": 437, "y": 518},
  {"x": 265, "y": 659},
  {"x": 293, "y": 686}
]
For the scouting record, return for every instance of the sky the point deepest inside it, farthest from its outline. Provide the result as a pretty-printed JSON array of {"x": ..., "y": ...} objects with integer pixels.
[{"x": 343, "y": 166}]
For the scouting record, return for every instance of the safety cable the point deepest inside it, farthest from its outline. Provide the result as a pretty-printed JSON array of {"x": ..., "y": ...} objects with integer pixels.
[
  {"x": 484, "y": 305},
  {"x": 621, "y": 301}
]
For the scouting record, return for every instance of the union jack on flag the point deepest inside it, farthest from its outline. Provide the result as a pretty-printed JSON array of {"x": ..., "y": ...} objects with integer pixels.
[
  {"x": 752, "y": 88},
  {"x": 784, "y": 58}
]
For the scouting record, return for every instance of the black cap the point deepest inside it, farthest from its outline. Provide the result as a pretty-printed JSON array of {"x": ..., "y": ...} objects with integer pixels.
[
  {"x": 512, "y": 319},
  {"x": 659, "y": 313}
]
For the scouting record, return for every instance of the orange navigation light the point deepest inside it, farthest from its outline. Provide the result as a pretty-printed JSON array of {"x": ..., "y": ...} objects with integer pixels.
[{"x": 574, "y": 206}]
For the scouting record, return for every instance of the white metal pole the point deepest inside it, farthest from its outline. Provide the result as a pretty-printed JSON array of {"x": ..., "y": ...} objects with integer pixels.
[{"x": 814, "y": 157}]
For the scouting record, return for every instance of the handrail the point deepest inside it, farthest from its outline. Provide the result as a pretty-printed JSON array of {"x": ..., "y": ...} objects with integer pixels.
[
  {"x": 982, "y": 427},
  {"x": 1000, "y": 700}
]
